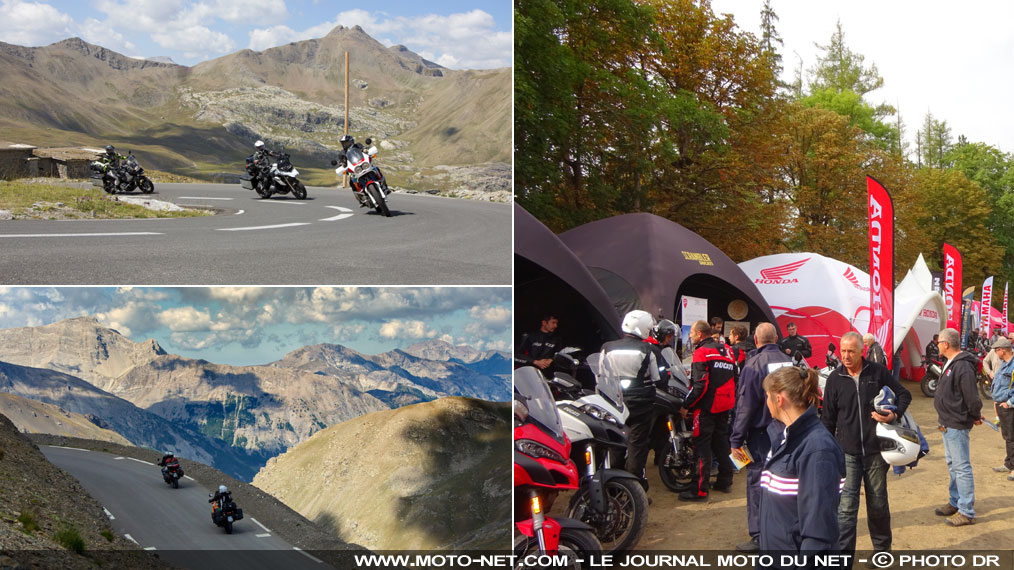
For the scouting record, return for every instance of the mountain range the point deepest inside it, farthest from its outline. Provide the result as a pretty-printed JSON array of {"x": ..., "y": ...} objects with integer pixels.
[
  {"x": 428, "y": 121},
  {"x": 231, "y": 417}
]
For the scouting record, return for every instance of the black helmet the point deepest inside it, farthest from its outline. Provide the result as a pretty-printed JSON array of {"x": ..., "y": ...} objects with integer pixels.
[
  {"x": 663, "y": 328},
  {"x": 109, "y": 148},
  {"x": 346, "y": 141}
]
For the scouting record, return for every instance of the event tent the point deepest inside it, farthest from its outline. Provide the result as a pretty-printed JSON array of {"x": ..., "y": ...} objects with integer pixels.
[
  {"x": 647, "y": 262},
  {"x": 548, "y": 277},
  {"x": 827, "y": 298}
]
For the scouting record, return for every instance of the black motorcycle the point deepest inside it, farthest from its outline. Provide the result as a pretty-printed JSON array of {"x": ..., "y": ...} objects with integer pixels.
[
  {"x": 224, "y": 512},
  {"x": 268, "y": 179},
  {"x": 130, "y": 174},
  {"x": 171, "y": 474}
]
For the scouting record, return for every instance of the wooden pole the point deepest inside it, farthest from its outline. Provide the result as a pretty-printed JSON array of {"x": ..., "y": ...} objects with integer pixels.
[{"x": 345, "y": 176}]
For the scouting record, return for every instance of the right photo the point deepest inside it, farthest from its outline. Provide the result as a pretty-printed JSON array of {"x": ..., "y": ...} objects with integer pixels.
[{"x": 761, "y": 266}]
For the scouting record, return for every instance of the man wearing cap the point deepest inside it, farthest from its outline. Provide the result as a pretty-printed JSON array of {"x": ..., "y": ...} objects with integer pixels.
[{"x": 1003, "y": 396}]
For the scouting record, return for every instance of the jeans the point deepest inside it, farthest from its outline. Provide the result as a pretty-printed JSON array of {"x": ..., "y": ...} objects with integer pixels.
[
  {"x": 870, "y": 471},
  {"x": 962, "y": 486}
]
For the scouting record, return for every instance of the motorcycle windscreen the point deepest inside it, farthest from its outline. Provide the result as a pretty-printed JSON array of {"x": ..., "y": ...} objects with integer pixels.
[
  {"x": 607, "y": 385},
  {"x": 530, "y": 389},
  {"x": 354, "y": 156}
]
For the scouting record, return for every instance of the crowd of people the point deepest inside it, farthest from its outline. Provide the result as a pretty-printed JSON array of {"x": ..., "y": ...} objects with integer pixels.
[{"x": 809, "y": 454}]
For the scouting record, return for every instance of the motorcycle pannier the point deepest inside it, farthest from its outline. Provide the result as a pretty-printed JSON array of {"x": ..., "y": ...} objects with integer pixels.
[{"x": 246, "y": 182}]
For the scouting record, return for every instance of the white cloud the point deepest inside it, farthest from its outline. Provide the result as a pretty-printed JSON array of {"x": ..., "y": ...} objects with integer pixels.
[
  {"x": 33, "y": 23},
  {"x": 498, "y": 315},
  {"x": 251, "y": 11},
  {"x": 185, "y": 319},
  {"x": 406, "y": 330},
  {"x": 466, "y": 40}
]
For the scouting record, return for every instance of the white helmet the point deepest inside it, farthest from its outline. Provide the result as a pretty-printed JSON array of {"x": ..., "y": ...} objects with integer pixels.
[
  {"x": 638, "y": 323},
  {"x": 222, "y": 489},
  {"x": 899, "y": 445},
  {"x": 259, "y": 145}
]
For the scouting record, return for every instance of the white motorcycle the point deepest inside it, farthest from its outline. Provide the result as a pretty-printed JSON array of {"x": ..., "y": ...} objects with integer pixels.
[
  {"x": 365, "y": 178},
  {"x": 281, "y": 179}
]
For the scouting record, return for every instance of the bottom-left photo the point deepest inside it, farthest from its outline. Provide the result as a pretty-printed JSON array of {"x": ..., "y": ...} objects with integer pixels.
[{"x": 157, "y": 427}]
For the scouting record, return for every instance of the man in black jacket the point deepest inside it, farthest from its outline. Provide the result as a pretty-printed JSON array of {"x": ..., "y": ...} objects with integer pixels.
[
  {"x": 958, "y": 409},
  {"x": 752, "y": 419},
  {"x": 795, "y": 343},
  {"x": 538, "y": 348},
  {"x": 849, "y": 415}
]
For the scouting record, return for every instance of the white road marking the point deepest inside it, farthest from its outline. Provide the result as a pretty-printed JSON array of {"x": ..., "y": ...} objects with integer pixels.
[
  {"x": 239, "y": 212},
  {"x": 150, "y": 548},
  {"x": 140, "y": 461},
  {"x": 314, "y": 558},
  {"x": 258, "y": 523},
  {"x": 188, "y": 477},
  {"x": 201, "y": 198},
  {"x": 280, "y": 202},
  {"x": 263, "y": 535},
  {"x": 131, "y": 539},
  {"x": 110, "y": 234},
  {"x": 264, "y": 227},
  {"x": 346, "y": 213},
  {"x": 109, "y": 514},
  {"x": 74, "y": 448}
]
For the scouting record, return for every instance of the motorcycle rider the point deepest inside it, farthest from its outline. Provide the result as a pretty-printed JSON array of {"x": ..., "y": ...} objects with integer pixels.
[
  {"x": 712, "y": 395},
  {"x": 224, "y": 494},
  {"x": 632, "y": 361},
  {"x": 348, "y": 142},
  {"x": 111, "y": 160},
  {"x": 169, "y": 459},
  {"x": 262, "y": 161},
  {"x": 932, "y": 352},
  {"x": 537, "y": 348}
]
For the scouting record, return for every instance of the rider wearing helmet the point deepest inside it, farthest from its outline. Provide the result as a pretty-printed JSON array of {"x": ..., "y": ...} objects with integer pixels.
[
  {"x": 261, "y": 160},
  {"x": 347, "y": 142},
  {"x": 169, "y": 459},
  {"x": 223, "y": 493},
  {"x": 633, "y": 362},
  {"x": 111, "y": 160}
]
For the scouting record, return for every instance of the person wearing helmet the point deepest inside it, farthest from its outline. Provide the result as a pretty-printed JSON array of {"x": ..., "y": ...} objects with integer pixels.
[
  {"x": 167, "y": 460},
  {"x": 712, "y": 395},
  {"x": 803, "y": 472},
  {"x": 850, "y": 416},
  {"x": 111, "y": 160},
  {"x": 223, "y": 493},
  {"x": 261, "y": 161},
  {"x": 633, "y": 363},
  {"x": 347, "y": 142}
]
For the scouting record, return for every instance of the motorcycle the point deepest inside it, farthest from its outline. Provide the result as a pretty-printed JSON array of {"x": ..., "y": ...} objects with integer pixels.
[
  {"x": 612, "y": 501},
  {"x": 934, "y": 367},
  {"x": 131, "y": 176},
  {"x": 365, "y": 178},
  {"x": 673, "y": 441},
  {"x": 172, "y": 473},
  {"x": 275, "y": 178},
  {"x": 541, "y": 470},
  {"x": 224, "y": 512}
]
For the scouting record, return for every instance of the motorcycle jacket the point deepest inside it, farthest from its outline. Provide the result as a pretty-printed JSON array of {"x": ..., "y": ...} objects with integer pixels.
[
  {"x": 167, "y": 459},
  {"x": 713, "y": 378},
  {"x": 536, "y": 346},
  {"x": 796, "y": 344},
  {"x": 847, "y": 412},
  {"x": 111, "y": 160},
  {"x": 751, "y": 401},
  {"x": 800, "y": 487},
  {"x": 632, "y": 362},
  {"x": 957, "y": 396},
  {"x": 932, "y": 352},
  {"x": 226, "y": 497},
  {"x": 875, "y": 353}
]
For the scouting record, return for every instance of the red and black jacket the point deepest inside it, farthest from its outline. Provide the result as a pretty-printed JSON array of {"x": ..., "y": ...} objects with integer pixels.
[{"x": 712, "y": 375}]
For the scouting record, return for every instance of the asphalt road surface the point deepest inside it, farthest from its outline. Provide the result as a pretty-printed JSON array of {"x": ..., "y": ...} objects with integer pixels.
[
  {"x": 326, "y": 239},
  {"x": 175, "y": 522}
]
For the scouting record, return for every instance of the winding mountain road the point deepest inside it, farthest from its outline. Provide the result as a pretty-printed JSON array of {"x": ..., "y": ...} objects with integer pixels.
[
  {"x": 175, "y": 522},
  {"x": 324, "y": 239}
]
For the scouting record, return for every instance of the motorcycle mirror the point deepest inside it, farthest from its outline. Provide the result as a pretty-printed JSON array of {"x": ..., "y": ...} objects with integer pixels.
[
  {"x": 368, "y": 141},
  {"x": 334, "y": 163},
  {"x": 830, "y": 347}
]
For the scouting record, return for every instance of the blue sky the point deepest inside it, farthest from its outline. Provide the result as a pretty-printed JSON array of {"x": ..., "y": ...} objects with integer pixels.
[
  {"x": 456, "y": 34},
  {"x": 256, "y": 325}
]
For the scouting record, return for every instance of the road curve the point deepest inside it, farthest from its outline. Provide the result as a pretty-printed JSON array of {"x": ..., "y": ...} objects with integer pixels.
[
  {"x": 326, "y": 239},
  {"x": 174, "y": 522}
]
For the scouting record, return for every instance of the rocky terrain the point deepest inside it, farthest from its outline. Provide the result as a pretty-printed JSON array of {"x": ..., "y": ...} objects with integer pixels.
[
  {"x": 45, "y": 514},
  {"x": 233, "y": 417},
  {"x": 32, "y": 416},
  {"x": 437, "y": 128},
  {"x": 431, "y": 475}
]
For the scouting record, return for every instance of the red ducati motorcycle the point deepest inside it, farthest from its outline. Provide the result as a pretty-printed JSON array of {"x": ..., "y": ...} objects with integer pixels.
[{"x": 541, "y": 470}]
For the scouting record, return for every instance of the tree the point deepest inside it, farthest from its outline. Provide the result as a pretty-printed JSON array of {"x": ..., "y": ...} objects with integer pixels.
[
  {"x": 841, "y": 69},
  {"x": 935, "y": 142}
]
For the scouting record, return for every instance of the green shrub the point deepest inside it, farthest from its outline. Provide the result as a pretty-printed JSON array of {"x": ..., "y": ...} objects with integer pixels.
[
  {"x": 28, "y": 523},
  {"x": 108, "y": 534},
  {"x": 70, "y": 538}
]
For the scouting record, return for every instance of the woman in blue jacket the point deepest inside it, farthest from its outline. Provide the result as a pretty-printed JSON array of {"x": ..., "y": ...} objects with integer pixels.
[{"x": 804, "y": 471}]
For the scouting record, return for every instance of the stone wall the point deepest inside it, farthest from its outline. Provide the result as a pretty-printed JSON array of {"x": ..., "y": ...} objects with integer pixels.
[{"x": 14, "y": 163}]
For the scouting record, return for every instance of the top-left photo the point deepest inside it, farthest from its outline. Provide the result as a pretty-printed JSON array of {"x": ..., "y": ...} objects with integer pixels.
[{"x": 266, "y": 142}]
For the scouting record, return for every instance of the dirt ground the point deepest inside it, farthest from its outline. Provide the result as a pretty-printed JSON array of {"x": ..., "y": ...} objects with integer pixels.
[{"x": 720, "y": 523}]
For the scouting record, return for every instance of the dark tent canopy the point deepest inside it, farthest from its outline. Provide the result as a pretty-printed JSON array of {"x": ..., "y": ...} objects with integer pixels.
[
  {"x": 549, "y": 278},
  {"x": 646, "y": 262}
]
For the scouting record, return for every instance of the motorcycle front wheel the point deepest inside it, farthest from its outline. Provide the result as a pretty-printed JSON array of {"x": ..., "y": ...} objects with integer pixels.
[
  {"x": 298, "y": 190},
  {"x": 146, "y": 186},
  {"x": 929, "y": 385},
  {"x": 620, "y": 528},
  {"x": 228, "y": 527},
  {"x": 378, "y": 198},
  {"x": 176, "y": 483},
  {"x": 577, "y": 546},
  {"x": 676, "y": 474},
  {"x": 985, "y": 387}
]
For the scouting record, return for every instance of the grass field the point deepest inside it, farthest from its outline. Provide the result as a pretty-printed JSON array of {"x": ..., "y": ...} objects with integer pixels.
[{"x": 45, "y": 200}]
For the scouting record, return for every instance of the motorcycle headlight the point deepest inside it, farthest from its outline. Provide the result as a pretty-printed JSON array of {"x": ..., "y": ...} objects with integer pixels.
[
  {"x": 598, "y": 413},
  {"x": 532, "y": 448}
]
